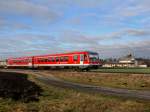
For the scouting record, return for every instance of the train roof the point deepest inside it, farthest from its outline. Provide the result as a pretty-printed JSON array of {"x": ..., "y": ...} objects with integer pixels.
[{"x": 73, "y": 52}]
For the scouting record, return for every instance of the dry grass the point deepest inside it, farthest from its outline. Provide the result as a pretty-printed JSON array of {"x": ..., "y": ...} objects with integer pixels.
[
  {"x": 124, "y": 70},
  {"x": 64, "y": 100},
  {"x": 72, "y": 101},
  {"x": 130, "y": 81}
]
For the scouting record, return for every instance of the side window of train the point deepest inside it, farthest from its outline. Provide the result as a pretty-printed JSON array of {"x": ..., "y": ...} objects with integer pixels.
[
  {"x": 53, "y": 59},
  {"x": 57, "y": 59},
  {"x": 75, "y": 57},
  {"x": 61, "y": 59},
  {"x": 66, "y": 58},
  {"x": 49, "y": 59},
  {"x": 44, "y": 60},
  {"x": 29, "y": 60},
  {"x": 39, "y": 60}
]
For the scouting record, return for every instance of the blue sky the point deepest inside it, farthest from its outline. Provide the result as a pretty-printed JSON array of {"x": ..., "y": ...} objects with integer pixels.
[{"x": 111, "y": 27}]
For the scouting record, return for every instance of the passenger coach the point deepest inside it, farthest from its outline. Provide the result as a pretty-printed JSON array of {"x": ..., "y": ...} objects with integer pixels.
[
  {"x": 20, "y": 62},
  {"x": 82, "y": 60}
]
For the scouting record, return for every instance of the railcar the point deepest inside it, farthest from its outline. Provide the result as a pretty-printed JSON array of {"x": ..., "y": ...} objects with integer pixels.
[
  {"x": 20, "y": 62},
  {"x": 78, "y": 60}
]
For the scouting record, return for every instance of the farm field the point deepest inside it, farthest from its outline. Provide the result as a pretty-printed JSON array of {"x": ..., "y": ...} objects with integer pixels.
[
  {"x": 124, "y": 70},
  {"x": 116, "y": 80},
  {"x": 53, "y": 99}
]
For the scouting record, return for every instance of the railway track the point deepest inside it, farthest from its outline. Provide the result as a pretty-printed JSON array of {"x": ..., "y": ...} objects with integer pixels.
[{"x": 48, "y": 78}]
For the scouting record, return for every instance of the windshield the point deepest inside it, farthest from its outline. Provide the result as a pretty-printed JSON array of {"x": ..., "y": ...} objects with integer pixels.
[{"x": 94, "y": 57}]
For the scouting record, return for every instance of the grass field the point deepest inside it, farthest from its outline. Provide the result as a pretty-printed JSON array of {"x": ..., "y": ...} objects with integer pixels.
[
  {"x": 117, "y": 80},
  {"x": 63, "y": 100},
  {"x": 124, "y": 70}
]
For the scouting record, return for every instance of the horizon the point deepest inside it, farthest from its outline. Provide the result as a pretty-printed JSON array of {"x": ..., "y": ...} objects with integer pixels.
[{"x": 110, "y": 27}]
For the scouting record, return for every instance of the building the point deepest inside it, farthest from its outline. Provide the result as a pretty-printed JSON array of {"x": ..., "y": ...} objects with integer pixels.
[
  {"x": 126, "y": 61},
  {"x": 3, "y": 63}
]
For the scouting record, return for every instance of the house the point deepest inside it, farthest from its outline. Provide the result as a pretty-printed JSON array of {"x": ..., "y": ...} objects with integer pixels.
[
  {"x": 126, "y": 61},
  {"x": 3, "y": 63}
]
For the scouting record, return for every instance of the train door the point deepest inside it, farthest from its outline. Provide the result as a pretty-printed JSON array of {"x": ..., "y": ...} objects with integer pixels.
[
  {"x": 81, "y": 59},
  {"x": 30, "y": 62}
]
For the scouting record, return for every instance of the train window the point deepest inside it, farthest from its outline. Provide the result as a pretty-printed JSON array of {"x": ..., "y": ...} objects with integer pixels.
[
  {"x": 38, "y": 60},
  {"x": 29, "y": 60},
  {"x": 61, "y": 59},
  {"x": 41, "y": 60},
  {"x": 49, "y": 60},
  {"x": 53, "y": 59},
  {"x": 75, "y": 57},
  {"x": 44, "y": 60},
  {"x": 66, "y": 58},
  {"x": 57, "y": 59}
]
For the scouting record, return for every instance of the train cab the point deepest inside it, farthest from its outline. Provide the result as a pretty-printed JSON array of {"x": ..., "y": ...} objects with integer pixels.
[{"x": 94, "y": 58}]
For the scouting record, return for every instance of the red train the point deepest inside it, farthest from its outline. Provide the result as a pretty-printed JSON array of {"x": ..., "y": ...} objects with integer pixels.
[{"x": 82, "y": 60}]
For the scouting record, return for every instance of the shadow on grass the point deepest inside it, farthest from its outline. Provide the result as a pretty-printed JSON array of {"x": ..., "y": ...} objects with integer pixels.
[{"x": 17, "y": 87}]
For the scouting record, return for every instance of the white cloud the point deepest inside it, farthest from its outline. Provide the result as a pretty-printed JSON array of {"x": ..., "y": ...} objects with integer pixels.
[
  {"x": 26, "y": 8},
  {"x": 31, "y": 44}
]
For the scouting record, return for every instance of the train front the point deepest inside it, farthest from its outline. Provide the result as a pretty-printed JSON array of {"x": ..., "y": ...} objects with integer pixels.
[{"x": 94, "y": 60}]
